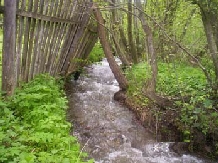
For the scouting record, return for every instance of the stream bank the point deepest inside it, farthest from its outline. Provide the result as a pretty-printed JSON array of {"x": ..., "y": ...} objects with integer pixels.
[
  {"x": 165, "y": 124},
  {"x": 108, "y": 131}
]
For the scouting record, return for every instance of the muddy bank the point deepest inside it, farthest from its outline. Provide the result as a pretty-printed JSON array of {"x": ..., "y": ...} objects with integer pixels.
[{"x": 164, "y": 124}]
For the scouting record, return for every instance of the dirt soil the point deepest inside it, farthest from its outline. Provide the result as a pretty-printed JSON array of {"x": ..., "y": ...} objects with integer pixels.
[{"x": 165, "y": 125}]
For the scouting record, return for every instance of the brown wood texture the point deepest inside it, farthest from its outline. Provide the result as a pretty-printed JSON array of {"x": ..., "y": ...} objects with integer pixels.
[
  {"x": 123, "y": 83},
  {"x": 9, "y": 45},
  {"x": 81, "y": 55},
  {"x": 47, "y": 34}
]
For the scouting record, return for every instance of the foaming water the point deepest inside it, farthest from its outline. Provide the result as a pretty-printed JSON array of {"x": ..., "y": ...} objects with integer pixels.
[{"x": 109, "y": 132}]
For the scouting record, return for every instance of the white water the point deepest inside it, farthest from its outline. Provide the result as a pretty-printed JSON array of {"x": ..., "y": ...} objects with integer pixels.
[{"x": 109, "y": 132}]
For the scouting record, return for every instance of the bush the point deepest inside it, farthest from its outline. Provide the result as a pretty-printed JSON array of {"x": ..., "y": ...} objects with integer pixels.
[
  {"x": 137, "y": 76},
  {"x": 197, "y": 106},
  {"x": 97, "y": 53},
  {"x": 35, "y": 127}
]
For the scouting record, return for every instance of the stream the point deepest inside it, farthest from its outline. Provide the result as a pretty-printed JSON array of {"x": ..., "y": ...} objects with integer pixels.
[{"x": 108, "y": 131}]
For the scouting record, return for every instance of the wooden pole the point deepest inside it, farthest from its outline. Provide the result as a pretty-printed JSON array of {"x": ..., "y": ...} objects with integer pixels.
[{"x": 9, "y": 53}]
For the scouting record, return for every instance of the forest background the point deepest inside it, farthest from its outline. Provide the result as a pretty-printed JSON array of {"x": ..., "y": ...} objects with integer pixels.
[{"x": 169, "y": 53}]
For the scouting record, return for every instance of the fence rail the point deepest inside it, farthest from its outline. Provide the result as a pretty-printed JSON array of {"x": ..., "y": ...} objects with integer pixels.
[{"x": 42, "y": 36}]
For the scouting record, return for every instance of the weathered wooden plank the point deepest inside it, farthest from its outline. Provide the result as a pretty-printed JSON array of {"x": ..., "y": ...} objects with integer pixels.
[
  {"x": 82, "y": 44},
  {"x": 51, "y": 34},
  {"x": 90, "y": 42},
  {"x": 75, "y": 60},
  {"x": 25, "y": 45},
  {"x": 19, "y": 47},
  {"x": 78, "y": 35},
  {"x": 67, "y": 45},
  {"x": 31, "y": 24},
  {"x": 57, "y": 14},
  {"x": 46, "y": 26},
  {"x": 19, "y": 44},
  {"x": 58, "y": 48},
  {"x": 87, "y": 43},
  {"x": 44, "y": 17},
  {"x": 9, "y": 48},
  {"x": 36, "y": 37},
  {"x": 79, "y": 56},
  {"x": 90, "y": 46},
  {"x": 62, "y": 32},
  {"x": 40, "y": 34},
  {"x": 52, "y": 53},
  {"x": 48, "y": 35},
  {"x": 68, "y": 38}
]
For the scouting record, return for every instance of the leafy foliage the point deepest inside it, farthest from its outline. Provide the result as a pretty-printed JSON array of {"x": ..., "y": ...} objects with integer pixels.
[
  {"x": 96, "y": 54},
  {"x": 180, "y": 80},
  {"x": 34, "y": 126},
  {"x": 198, "y": 108},
  {"x": 137, "y": 76}
]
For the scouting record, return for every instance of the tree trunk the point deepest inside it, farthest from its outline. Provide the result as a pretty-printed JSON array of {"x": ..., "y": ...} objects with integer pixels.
[
  {"x": 150, "y": 87},
  {"x": 9, "y": 53},
  {"x": 122, "y": 36},
  {"x": 211, "y": 42},
  {"x": 119, "y": 50},
  {"x": 136, "y": 31},
  {"x": 132, "y": 48},
  {"x": 108, "y": 53},
  {"x": 151, "y": 51},
  {"x": 115, "y": 36}
]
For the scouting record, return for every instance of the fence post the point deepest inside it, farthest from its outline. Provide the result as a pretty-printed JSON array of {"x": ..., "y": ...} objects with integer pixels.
[{"x": 9, "y": 52}]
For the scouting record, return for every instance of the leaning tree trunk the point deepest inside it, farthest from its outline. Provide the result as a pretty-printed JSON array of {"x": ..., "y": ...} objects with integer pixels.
[
  {"x": 107, "y": 50},
  {"x": 150, "y": 90},
  {"x": 115, "y": 36}
]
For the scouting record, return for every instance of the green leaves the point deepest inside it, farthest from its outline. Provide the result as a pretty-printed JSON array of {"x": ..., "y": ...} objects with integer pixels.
[
  {"x": 197, "y": 107},
  {"x": 34, "y": 128},
  {"x": 96, "y": 54}
]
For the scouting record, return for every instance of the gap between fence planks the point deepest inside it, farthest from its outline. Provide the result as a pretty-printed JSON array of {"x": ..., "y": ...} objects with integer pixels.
[{"x": 46, "y": 35}]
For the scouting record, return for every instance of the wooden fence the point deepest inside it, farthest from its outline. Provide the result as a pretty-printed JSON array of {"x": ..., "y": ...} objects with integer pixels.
[{"x": 44, "y": 36}]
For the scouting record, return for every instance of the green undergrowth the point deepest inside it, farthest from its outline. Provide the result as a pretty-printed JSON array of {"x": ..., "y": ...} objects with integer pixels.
[
  {"x": 34, "y": 127},
  {"x": 137, "y": 76},
  {"x": 97, "y": 53},
  {"x": 187, "y": 85},
  {"x": 180, "y": 80},
  {"x": 173, "y": 80}
]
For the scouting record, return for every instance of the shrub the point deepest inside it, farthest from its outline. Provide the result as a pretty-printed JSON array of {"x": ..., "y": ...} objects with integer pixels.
[
  {"x": 35, "y": 127},
  {"x": 197, "y": 106},
  {"x": 97, "y": 53}
]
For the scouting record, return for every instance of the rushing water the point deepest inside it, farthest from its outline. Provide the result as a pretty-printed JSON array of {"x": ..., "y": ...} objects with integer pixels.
[{"x": 108, "y": 131}]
